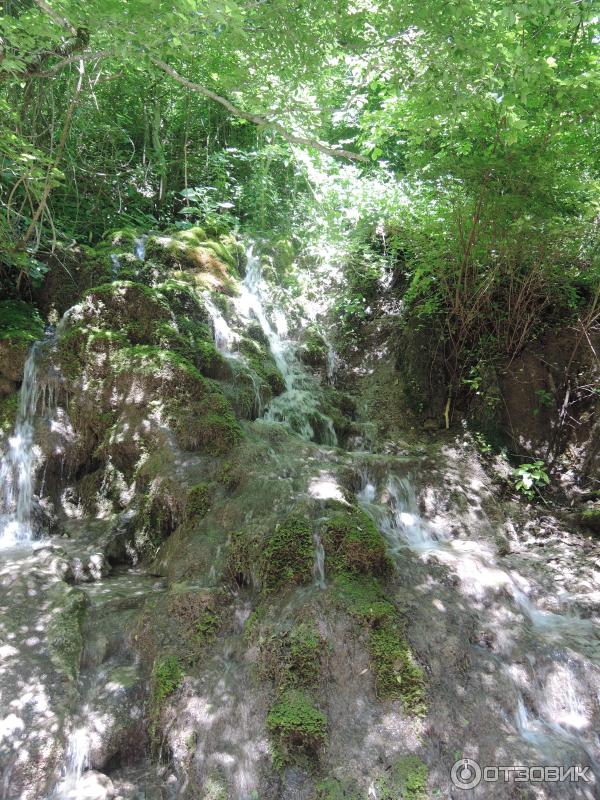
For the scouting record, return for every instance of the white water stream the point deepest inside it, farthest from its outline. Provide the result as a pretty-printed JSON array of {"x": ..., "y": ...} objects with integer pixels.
[{"x": 16, "y": 468}]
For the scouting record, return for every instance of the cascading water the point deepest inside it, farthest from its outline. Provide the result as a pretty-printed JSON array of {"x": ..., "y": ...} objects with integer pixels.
[
  {"x": 16, "y": 468},
  {"x": 561, "y": 649},
  {"x": 77, "y": 761},
  {"x": 298, "y": 406}
]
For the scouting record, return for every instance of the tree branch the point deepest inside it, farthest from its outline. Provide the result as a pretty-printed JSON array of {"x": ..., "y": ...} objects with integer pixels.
[
  {"x": 55, "y": 17},
  {"x": 257, "y": 119}
]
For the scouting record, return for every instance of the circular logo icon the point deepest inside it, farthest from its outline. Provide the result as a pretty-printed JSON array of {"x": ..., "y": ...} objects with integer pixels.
[{"x": 466, "y": 774}]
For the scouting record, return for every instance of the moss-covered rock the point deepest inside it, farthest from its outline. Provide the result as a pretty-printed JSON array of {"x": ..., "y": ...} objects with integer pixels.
[
  {"x": 8, "y": 412},
  {"x": 263, "y": 364},
  {"x": 407, "y": 779},
  {"x": 129, "y": 308},
  {"x": 590, "y": 518},
  {"x": 397, "y": 674},
  {"x": 292, "y": 659},
  {"x": 197, "y": 501},
  {"x": 65, "y": 640},
  {"x": 313, "y": 350},
  {"x": 298, "y": 729},
  {"x": 287, "y": 558},
  {"x": 353, "y": 543},
  {"x": 20, "y": 326}
]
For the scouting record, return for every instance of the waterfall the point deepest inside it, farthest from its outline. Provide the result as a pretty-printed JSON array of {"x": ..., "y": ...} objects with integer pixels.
[
  {"x": 16, "y": 468},
  {"x": 298, "y": 406},
  {"x": 319, "y": 564},
  {"x": 139, "y": 247},
  {"x": 77, "y": 761}
]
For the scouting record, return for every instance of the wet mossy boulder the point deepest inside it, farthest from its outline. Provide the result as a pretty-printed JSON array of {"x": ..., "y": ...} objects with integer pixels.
[
  {"x": 397, "y": 673},
  {"x": 590, "y": 518},
  {"x": 191, "y": 251},
  {"x": 353, "y": 543},
  {"x": 297, "y": 728},
  {"x": 272, "y": 560},
  {"x": 196, "y": 408},
  {"x": 313, "y": 350},
  {"x": 288, "y": 554},
  {"x": 20, "y": 326},
  {"x": 130, "y": 308},
  {"x": 262, "y": 363}
]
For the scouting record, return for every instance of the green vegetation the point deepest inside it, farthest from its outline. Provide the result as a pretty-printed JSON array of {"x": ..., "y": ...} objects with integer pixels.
[
  {"x": 297, "y": 728},
  {"x": 529, "y": 478},
  {"x": 408, "y": 780},
  {"x": 353, "y": 543},
  {"x": 198, "y": 501},
  {"x": 397, "y": 674},
  {"x": 167, "y": 675},
  {"x": 65, "y": 640},
  {"x": 288, "y": 554},
  {"x": 292, "y": 659},
  {"x": 20, "y": 322}
]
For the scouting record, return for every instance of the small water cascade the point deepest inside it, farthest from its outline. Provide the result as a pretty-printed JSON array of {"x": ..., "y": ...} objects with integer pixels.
[
  {"x": 16, "y": 468},
  {"x": 71, "y": 786},
  {"x": 116, "y": 265},
  {"x": 139, "y": 247},
  {"x": 298, "y": 406},
  {"x": 556, "y": 719},
  {"x": 319, "y": 565}
]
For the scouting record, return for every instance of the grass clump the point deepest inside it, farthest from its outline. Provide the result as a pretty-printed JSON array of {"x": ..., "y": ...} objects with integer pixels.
[{"x": 297, "y": 728}]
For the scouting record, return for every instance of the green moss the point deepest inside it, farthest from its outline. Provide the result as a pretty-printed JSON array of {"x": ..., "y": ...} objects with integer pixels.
[
  {"x": 8, "y": 412},
  {"x": 263, "y": 364},
  {"x": 353, "y": 543},
  {"x": 591, "y": 518},
  {"x": 314, "y": 350},
  {"x": 20, "y": 322},
  {"x": 131, "y": 308},
  {"x": 192, "y": 236},
  {"x": 306, "y": 647},
  {"x": 288, "y": 554},
  {"x": 65, "y": 640},
  {"x": 146, "y": 359},
  {"x": 123, "y": 238},
  {"x": 292, "y": 659},
  {"x": 297, "y": 728},
  {"x": 206, "y": 423},
  {"x": 397, "y": 675},
  {"x": 197, "y": 502},
  {"x": 167, "y": 675},
  {"x": 334, "y": 789},
  {"x": 207, "y": 626},
  {"x": 408, "y": 780},
  {"x": 363, "y": 598}
]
